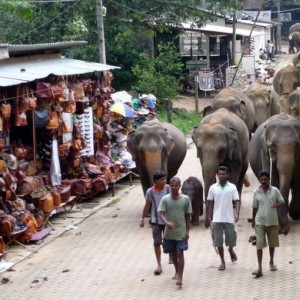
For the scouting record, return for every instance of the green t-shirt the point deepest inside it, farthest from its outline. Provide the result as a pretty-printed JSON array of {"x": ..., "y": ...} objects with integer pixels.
[
  {"x": 175, "y": 212},
  {"x": 266, "y": 215}
]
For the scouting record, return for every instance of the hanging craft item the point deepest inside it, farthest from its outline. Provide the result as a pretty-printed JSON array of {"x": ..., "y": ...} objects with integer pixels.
[{"x": 41, "y": 117}]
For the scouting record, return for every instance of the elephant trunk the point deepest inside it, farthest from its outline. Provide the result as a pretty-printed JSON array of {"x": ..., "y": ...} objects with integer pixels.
[
  {"x": 285, "y": 166},
  {"x": 153, "y": 162},
  {"x": 209, "y": 172}
]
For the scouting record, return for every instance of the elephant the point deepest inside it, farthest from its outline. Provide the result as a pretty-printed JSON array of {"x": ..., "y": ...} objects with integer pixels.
[
  {"x": 235, "y": 101},
  {"x": 265, "y": 101},
  {"x": 294, "y": 42},
  {"x": 285, "y": 81},
  {"x": 295, "y": 28},
  {"x": 194, "y": 189},
  {"x": 222, "y": 139},
  {"x": 156, "y": 146},
  {"x": 275, "y": 146},
  {"x": 296, "y": 60}
]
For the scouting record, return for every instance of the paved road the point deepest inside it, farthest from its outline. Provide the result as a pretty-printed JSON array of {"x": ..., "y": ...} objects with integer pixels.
[{"x": 109, "y": 257}]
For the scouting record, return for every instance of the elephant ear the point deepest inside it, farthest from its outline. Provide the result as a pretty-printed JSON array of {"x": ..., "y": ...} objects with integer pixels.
[
  {"x": 131, "y": 145},
  {"x": 206, "y": 110},
  {"x": 265, "y": 158},
  {"x": 243, "y": 109},
  {"x": 232, "y": 142},
  {"x": 168, "y": 140}
]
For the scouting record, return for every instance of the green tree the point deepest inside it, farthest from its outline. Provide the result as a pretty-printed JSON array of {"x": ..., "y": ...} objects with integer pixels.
[{"x": 159, "y": 75}]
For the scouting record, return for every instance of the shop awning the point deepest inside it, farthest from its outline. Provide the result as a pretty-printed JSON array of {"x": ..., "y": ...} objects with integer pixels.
[{"x": 24, "y": 69}]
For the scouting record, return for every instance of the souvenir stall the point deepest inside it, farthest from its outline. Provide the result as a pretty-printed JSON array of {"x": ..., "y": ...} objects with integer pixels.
[{"x": 55, "y": 141}]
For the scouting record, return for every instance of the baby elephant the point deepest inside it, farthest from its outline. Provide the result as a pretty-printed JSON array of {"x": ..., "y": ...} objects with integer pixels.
[{"x": 193, "y": 188}]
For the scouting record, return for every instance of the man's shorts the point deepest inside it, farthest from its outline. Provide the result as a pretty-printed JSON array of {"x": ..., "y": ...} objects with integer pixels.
[
  {"x": 272, "y": 234},
  {"x": 217, "y": 234},
  {"x": 157, "y": 233},
  {"x": 171, "y": 246}
]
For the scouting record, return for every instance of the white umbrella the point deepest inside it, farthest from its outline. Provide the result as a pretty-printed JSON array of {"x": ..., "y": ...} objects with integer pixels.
[{"x": 121, "y": 96}]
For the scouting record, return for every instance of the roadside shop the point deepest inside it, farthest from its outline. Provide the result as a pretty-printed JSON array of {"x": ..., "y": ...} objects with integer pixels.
[{"x": 55, "y": 136}]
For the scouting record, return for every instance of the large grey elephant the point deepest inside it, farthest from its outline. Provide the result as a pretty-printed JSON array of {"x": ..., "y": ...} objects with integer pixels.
[
  {"x": 193, "y": 188},
  {"x": 156, "y": 146},
  {"x": 235, "y": 101},
  {"x": 285, "y": 81},
  {"x": 222, "y": 139},
  {"x": 275, "y": 146},
  {"x": 265, "y": 101}
]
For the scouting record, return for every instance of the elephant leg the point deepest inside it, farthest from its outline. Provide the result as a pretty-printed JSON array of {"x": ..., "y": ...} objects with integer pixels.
[
  {"x": 294, "y": 208},
  {"x": 196, "y": 211}
]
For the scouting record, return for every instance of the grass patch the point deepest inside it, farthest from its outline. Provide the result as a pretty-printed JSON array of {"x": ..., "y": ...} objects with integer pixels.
[
  {"x": 115, "y": 201},
  {"x": 184, "y": 120}
]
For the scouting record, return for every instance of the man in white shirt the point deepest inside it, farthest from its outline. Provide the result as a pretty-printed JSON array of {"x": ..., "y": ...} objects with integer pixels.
[{"x": 222, "y": 214}]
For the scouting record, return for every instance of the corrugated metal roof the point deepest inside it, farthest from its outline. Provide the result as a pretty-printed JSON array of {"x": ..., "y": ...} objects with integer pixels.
[
  {"x": 24, "y": 69},
  {"x": 31, "y": 48}
]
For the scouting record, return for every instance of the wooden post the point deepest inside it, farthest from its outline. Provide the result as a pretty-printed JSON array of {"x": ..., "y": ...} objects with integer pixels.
[
  {"x": 34, "y": 141},
  {"x": 196, "y": 93}
]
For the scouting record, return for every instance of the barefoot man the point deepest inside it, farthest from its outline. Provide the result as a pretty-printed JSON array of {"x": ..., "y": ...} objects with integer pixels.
[
  {"x": 153, "y": 198},
  {"x": 222, "y": 214},
  {"x": 175, "y": 210}
]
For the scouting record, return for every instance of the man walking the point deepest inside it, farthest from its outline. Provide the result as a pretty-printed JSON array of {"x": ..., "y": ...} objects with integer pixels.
[
  {"x": 269, "y": 49},
  {"x": 266, "y": 200},
  {"x": 175, "y": 210},
  {"x": 222, "y": 214},
  {"x": 153, "y": 198}
]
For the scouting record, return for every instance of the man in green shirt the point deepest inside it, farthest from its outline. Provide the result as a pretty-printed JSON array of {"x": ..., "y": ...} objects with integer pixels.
[
  {"x": 266, "y": 200},
  {"x": 175, "y": 210}
]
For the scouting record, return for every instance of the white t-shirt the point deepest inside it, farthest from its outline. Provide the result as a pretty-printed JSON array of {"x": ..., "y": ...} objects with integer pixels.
[{"x": 223, "y": 197}]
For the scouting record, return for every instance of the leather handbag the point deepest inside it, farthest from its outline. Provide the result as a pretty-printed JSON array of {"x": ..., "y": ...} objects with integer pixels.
[
  {"x": 2, "y": 141},
  {"x": 78, "y": 90},
  {"x": 45, "y": 202},
  {"x": 41, "y": 117},
  {"x": 70, "y": 106},
  {"x": 58, "y": 92},
  {"x": 56, "y": 197},
  {"x": 81, "y": 105},
  {"x": 3, "y": 248},
  {"x": 93, "y": 170},
  {"x": 65, "y": 193},
  {"x": 5, "y": 110},
  {"x": 99, "y": 184},
  {"x": 53, "y": 122},
  {"x": 78, "y": 187},
  {"x": 7, "y": 224},
  {"x": 21, "y": 119},
  {"x": 19, "y": 151},
  {"x": 43, "y": 90},
  {"x": 63, "y": 149}
]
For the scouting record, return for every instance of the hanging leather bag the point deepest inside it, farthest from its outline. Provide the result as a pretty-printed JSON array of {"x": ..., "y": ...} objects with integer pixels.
[
  {"x": 43, "y": 90},
  {"x": 5, "y": 110},
  {"x": 41, "y": 117},
  {"x": 53, "y": 122}
]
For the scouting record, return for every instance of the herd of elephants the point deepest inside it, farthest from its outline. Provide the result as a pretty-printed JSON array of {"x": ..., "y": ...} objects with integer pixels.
[{"x": 260, "y": 126}]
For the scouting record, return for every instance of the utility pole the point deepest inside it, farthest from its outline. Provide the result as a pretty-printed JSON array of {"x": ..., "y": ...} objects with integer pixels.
[
  {"x": 100, "y": 27},
  {"x": 278, "y": 31}
]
